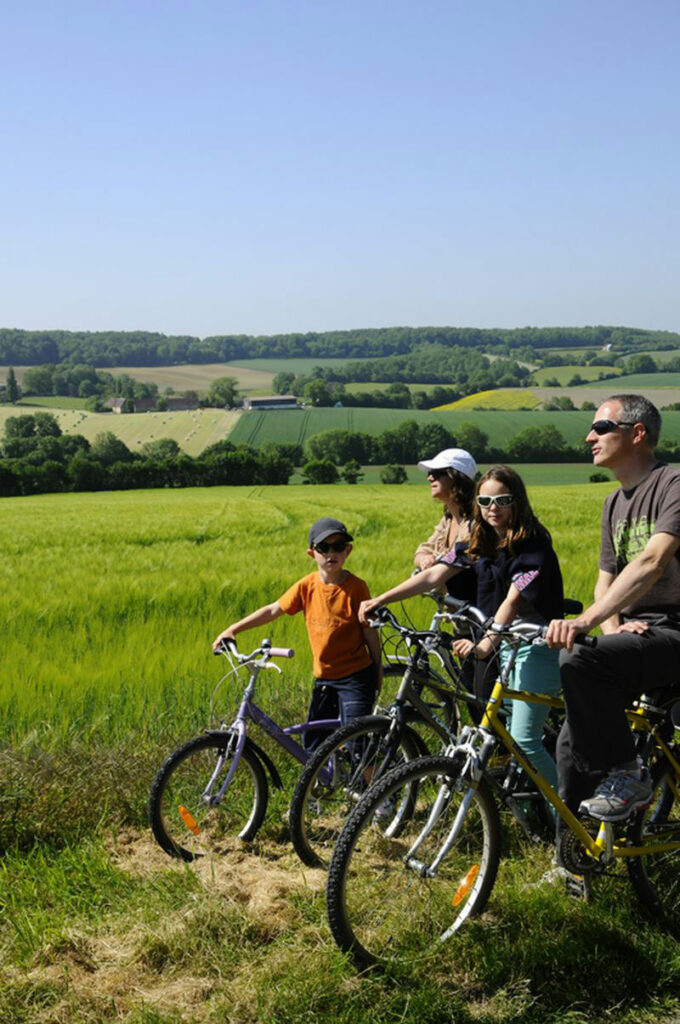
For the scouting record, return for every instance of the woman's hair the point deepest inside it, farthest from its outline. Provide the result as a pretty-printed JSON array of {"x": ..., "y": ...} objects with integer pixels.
[
  {"x": 484, "y": 541},
  {"x": 462, "y": 491}
]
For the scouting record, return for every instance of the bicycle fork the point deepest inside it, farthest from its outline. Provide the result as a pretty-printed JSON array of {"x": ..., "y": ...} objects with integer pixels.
[
  {"x": 440, "y": 804},
  {"x": 236, "y": 741},
  {"x": 474, "y": 765}
]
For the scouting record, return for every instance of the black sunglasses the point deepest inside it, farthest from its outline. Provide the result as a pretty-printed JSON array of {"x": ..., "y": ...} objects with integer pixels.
[
  {"x": 437, "y": 474},
  {"x": 324, "y": 546},
  {"x": 601, "y": 427}
]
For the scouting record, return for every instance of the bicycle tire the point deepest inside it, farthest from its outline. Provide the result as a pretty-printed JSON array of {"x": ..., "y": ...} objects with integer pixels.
[
  {"x": 336, "y": 775},
  {"x": 655, "y": 877},
  {"x": 382, "y": 910},
  {"x": 184, "y": 825}
]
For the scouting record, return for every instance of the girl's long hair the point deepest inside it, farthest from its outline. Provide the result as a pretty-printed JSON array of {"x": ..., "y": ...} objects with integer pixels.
[{"x": 484, "y": 541}]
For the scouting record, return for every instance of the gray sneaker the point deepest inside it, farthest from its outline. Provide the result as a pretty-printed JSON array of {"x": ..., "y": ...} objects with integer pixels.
[
  {"x": 386, "y": 810},
  {"x": 576, "y": 886},
  {"x": 621, "y": 793}
]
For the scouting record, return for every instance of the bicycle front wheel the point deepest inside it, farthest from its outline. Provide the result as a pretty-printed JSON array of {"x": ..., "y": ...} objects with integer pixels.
[
  {"x": 185, "y": 818},
  {"x": 336, "y": 776},
  {"x": 655, "y": 877},
  {"x": 397, "y": 898}
]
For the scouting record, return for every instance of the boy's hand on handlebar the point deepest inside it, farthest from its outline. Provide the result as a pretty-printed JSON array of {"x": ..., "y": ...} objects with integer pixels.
[
  {"x": 226, "y": 637},
  {"x": 563, "y": 632}
]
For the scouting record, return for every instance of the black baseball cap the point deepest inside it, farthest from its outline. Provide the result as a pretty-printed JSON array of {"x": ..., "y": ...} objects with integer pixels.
[{"x": 323, "y": 528}]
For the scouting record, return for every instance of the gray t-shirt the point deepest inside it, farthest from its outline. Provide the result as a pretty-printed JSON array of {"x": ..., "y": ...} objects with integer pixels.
[{"x": 629, "y": 519}]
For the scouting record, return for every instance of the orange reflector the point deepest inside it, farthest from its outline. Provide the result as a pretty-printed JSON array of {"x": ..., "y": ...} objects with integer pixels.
[
  {"x": 466, "y": 883},
  {"x": 188, "y": 819}
]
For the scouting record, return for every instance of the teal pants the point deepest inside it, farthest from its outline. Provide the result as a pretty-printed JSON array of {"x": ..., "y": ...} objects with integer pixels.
[{"x": 536, "y": 670}]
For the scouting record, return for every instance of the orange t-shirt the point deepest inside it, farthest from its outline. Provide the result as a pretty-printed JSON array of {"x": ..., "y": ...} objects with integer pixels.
[{"x": 331, "y": 615}]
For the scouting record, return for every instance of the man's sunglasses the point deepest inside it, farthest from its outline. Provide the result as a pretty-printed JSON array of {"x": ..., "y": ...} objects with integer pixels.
[
  {"x": 488, "y": 500},
  {"x": 324, "y": 546},
  {"x": 601, "y": 427}
]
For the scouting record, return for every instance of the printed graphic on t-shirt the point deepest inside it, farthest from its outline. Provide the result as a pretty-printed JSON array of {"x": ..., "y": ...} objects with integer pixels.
[
  {"x": 630, "y": 537},
  {"x": 522, "y": 580}
]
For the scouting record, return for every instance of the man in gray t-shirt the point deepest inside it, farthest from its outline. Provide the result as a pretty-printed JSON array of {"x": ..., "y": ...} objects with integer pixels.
[{"x": 637, "y": 604}]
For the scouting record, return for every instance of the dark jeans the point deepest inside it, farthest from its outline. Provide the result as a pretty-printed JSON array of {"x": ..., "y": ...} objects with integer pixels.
[
  {"x": 599, "y": 683},
  {"x": 347, "y": 698}
]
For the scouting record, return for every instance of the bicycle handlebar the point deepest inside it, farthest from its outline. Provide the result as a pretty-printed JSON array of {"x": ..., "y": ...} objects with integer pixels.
[
  {"x": 229, "y": 646},
  {"x": 457, "y": 609},
  {"x": 281, "y": 652}
]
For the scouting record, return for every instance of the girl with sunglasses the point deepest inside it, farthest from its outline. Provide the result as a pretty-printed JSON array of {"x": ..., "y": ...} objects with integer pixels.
[{"x": 517, "y": 577}]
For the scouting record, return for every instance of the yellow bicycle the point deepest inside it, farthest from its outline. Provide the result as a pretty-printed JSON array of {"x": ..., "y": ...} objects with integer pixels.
[{"x": 392, "y": 898}]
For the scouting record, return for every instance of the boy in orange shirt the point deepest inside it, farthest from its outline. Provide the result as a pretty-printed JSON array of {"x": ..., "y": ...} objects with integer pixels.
[{"x": 346, "y": 654}]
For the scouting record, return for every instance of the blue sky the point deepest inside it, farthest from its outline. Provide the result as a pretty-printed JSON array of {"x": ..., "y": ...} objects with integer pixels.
[{"x": 263, "y": 167}]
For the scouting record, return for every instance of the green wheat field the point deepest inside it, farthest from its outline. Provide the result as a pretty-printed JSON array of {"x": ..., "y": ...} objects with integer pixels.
[{"x": 109, "y": 604}]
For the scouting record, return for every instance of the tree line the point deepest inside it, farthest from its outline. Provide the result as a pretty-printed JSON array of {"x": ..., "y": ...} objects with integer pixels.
[
  {"x": 36, "y": 457},
  {"x": 95, "y": 386},
  {"x": 144, "y": 348}
]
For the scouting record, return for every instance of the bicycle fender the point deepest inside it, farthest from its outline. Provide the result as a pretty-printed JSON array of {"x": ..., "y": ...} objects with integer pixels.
[
  {"x": 267, "y": 761},
  {"x": 257, "y": 750}
]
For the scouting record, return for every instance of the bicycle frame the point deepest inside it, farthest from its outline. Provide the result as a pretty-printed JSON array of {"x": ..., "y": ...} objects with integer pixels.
[
  {"x": 603, "y": 848},
  {"x": 238, "y": 729}
]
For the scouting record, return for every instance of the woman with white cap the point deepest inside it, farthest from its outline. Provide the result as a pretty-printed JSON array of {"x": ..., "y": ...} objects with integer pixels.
[{"x": 451, "y": 476}]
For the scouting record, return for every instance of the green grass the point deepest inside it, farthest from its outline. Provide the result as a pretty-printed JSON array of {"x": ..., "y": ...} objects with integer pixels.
[
  {"x": 109, "y": 603},
  {"x": 193, "y": 430},
  {"x": 49, "y": 402},
  {"x": 296, "y": 425},
  {"x": 564, "y": 373},
  {"x": 198, "y": 376},
  {"x": 534, "y": 473},
  {"x": 298, "y": 366},
  {"x": 643, "y": 380},
  {"x": 366, "y": 387}
]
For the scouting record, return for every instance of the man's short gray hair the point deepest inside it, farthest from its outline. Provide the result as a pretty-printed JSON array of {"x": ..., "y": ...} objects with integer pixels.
[{"x": 638, "y": 409}]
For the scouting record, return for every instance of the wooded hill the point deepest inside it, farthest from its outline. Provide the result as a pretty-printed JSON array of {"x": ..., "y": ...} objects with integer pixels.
[{"x": 142, "y": 348}]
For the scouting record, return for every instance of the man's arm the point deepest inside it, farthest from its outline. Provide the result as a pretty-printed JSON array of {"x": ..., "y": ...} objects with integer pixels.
[
  {"x": 604, "y": 582},
  {"x": 613, "y": 593}
]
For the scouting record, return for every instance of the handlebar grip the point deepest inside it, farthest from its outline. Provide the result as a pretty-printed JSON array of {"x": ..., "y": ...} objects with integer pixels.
[
  {"x": 226, "y": 644},
  {"x": 281, "y": 652},
  {"x": 584, "y": 639}
]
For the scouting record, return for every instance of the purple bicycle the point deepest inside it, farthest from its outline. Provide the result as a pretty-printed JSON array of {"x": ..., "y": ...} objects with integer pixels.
[{"x": 216, "y": 786}]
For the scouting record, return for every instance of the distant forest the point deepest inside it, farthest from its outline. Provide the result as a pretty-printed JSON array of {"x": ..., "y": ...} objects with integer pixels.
[{"x": 140, "y": 348}]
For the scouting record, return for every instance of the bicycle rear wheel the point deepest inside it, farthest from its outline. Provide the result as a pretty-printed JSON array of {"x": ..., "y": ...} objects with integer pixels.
[
  {"x": 387, "y": 899},
  {"x": 655, "y": 877},
  {"x": 335, "y": 777},
  {"x": 183, "y": 821}
]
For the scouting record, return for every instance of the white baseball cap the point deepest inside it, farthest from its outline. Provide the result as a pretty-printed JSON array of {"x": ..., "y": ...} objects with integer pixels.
[{"x": 451, "y": 458}]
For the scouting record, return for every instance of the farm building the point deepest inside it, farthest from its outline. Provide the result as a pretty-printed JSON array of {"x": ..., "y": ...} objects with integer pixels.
[
  {"x": 174, "y": 403},
  {"x": 271, "y": 402}
]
